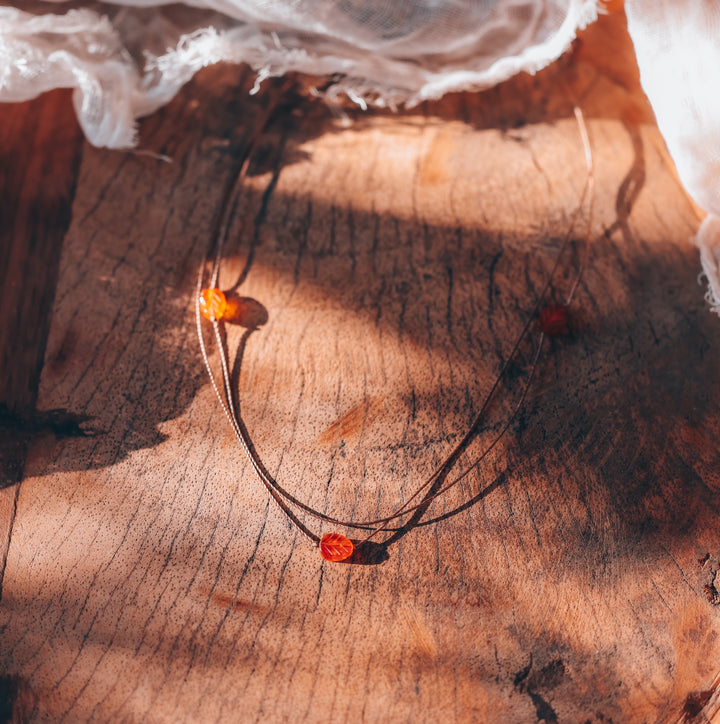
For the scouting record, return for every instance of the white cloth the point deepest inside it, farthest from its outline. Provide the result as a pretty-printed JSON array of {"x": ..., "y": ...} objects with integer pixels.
[
  {"x": 677, "y": 45},
  {"x": 126, "y": 61}
]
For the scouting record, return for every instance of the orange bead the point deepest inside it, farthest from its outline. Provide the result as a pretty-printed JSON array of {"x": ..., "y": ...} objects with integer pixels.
[
  {"x": 554, "y": 319},
  {"x": 336, "y": 547},
  {"x": 213, "y": 304}
]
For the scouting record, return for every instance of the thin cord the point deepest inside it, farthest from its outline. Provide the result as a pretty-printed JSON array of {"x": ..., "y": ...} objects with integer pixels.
[
  {"x": 227, "y": 403},
  {"x": 228, "y": 409},
  {"x": 590, "y": 187},
  {"x": 378, "y": 525}
]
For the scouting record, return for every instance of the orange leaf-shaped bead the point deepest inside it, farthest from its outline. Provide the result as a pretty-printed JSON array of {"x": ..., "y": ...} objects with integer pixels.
[
  {"x": 336, "y": 547},
  {"x": 213, "y": 304},
  {"x": 554, "y": 319}
]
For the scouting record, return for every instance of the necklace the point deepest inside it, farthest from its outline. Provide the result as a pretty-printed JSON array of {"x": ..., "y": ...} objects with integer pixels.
[{"x": 213, "y": 307}]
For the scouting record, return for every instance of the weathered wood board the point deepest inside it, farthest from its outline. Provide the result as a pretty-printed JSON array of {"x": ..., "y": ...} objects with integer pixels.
[{"x": 391, "y": 259}]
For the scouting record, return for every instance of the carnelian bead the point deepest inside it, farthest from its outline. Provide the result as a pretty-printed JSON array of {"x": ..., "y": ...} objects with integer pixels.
[
  {"x": 336, "y": 547},
  {"x": 213, "y": 304},
  {"x": 554, "y": 319}
]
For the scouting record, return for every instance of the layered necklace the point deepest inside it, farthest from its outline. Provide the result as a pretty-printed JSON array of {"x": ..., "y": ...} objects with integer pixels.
[{"x": 214, "y": 308}]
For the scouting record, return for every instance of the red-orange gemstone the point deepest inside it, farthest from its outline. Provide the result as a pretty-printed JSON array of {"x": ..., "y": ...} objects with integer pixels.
[
  {"x": 213, "y": 304},
  {"x": 554, "y": 319},
  {"x": 336, "y": 547}
]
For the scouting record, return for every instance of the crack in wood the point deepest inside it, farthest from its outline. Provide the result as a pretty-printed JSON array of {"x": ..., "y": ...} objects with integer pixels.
[{"x": 710, "y": 567}]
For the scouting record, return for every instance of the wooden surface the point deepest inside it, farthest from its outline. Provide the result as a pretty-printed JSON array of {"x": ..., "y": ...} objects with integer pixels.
[{"x": 390, "y": 260}]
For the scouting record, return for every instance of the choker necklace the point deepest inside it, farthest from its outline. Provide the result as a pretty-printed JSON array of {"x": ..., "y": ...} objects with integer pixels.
[{"x": 213, "y": 307}]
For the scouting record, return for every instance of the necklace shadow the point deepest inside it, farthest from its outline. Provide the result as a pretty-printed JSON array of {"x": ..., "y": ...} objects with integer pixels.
[{"x": 250, "y": 314}]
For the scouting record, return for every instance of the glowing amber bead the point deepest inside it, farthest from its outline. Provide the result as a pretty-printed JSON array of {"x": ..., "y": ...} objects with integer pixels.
[
  {"x": 213, "y": 304},
  {"x": 336, "y": 547},
  {"x": 554, "y": 319}
]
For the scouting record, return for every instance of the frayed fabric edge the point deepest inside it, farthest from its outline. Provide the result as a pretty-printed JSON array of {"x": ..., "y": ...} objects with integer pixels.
[
  {"x": 111, "y": 91},
  {"x": 364, "y": 89},
  {"x": 708, "y": 242}
]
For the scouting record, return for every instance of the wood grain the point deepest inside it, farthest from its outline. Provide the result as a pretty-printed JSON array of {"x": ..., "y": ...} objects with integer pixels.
[
  {"x": 388, "y": 261},
  {"x": 40, "y": 145}
]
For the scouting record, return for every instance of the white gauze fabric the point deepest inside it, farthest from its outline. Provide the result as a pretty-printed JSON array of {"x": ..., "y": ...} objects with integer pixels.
[
  {"x": 128, "y": 59},
  {"x": 677, "y": 45}
]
